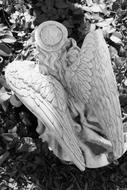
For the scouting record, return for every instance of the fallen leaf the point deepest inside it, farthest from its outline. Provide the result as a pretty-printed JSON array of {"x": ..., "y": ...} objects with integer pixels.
[
  {"x": 118, "y": 35},
  {"x": 21, "y": 34},
  {"x": 15, "y": 101},
  {"x": 27, "y": 145},
  {"x": 5, "y": 105},
  {"x": 108, "y": 29},
  {"x": 113, "y": 52},
  {"x": 4, "y": 50},
  {"x": 9, "y": 33},
  {"x": 115, "y": 39},
  {"x": 13, "y": 131},
  {"x": 88, "y": 16},
  {"x": 123, "y": 99},
  {"x": 82, "y": 7},
  {"x": 105, "y": 22},
  {"x": 96, "y": 8},
  {"x": 2, "y": 27},
  {"x": 8, "y": 136},
  {"x": 96, "y": 17},
  {"x": 4, "y": 95},
  {"x": 8, "y": 39},
  {"x": 89, "y": 2},
  {"x": 3, "y": 157},
  {"x": 1, "y": 59},
  {"x": 3, "y": 82},
  {"x": 125, "y": 82}
]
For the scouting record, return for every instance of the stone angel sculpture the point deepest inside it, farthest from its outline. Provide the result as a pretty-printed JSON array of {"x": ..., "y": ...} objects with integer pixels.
[{"x": 73, "y": 93}]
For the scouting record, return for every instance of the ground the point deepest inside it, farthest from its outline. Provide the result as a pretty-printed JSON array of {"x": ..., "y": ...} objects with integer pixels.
[{"x": 25, "y": 161}]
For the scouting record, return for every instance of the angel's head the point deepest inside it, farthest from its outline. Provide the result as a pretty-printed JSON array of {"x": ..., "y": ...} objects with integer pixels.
[
  {"x": 72, "y": 56},
  {"x": 71, "y": 53}
]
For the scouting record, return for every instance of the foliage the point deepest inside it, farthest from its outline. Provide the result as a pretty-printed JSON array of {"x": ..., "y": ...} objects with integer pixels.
[{"x": 26, "y": 162}]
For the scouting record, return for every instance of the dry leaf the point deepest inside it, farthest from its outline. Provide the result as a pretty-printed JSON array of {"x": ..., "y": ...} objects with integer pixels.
[
  {"x": 83, "y": 7},
  {"x": 118, "y": 35},
  {"x": 2, "y": 27},
  {"x": 96, "y": 8},
  {"x": 105, "y": 22},
  {"x": 115, "y": 39},
  {"x": 15, "y": 102},
  {"x": 109, "y": 29},
  {"x": 4, "y": 50},
  {"x": 8, "y": 39},
  {"x": 3, "y": 157},
  {"x": 89, "y": 2},
  {"x": 4, "y": 95}
]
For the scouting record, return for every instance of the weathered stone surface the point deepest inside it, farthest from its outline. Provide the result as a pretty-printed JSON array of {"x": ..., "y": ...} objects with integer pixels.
[{"x": 73, "y": 93}]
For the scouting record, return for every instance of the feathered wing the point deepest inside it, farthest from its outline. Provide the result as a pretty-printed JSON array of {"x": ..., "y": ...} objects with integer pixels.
[
  {"x": 46, "y": 98},
  {"x": 91, "y": 81}
]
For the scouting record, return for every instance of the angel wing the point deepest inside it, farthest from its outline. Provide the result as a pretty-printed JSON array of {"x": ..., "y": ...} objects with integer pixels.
[
  {"x": 91, "y": 82},
  {"x": 45, "y": 97}
]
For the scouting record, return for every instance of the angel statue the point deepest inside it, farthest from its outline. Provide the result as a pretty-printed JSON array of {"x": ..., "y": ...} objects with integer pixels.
[{"x": 73, "y": 93}]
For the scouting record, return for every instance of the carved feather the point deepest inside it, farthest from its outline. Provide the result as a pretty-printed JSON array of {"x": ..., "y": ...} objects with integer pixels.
[
  {"x": 48, "y": 103},
  {"x": 92, "y": 82}
]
